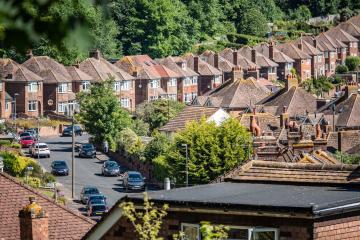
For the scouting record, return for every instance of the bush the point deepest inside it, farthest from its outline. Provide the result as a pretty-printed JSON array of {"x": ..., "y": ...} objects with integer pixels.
[
  {"x": 5, "y": 142},
  {"x": 48, "y": 178},
  {"x": 33, "y": 181},
  {"x": 352, "y": 62},
  {"x": 341, "y": 69},
  {"x": 15, "y": 165},
  {"x": 15, "y": 145}
]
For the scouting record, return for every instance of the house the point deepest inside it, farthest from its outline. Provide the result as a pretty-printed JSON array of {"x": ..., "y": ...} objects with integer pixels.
[
  {"x": 324, "y": 39},
  {"x": 351, "y": 29},
  {"x": 41, "y": 218},
  {"x": 153, "y": 80},
  {"x": 80, "y": 80},
  {"x": 235, "y": 95},
  {"x": 260, "y": 200},
  {"x": 302, "y": 62},
  {"x": 187, "y": 84},
  {"x": 58, "y": 95},
  {"x": 285, "y": 63},
  {"x": 209, "y": 77},
  {"x": 101, "y": 70},
  {"x": 317, "y": 57},
  {"x": 350, "y": 41},
  {"x": 250, "y": 68},
  {"x": 194, "y": 113},
  {"x": 217, "y": 61},
  {"x": 268, "y": 68},
  {"x": 23, "y": 86}
]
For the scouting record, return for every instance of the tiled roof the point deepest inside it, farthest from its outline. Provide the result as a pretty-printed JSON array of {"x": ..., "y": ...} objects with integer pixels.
[
  {"x": 279, "y": 57},
  {"x": 348, "y": 112},
  {"x": 266, "y": 171},
  {"x": 242, "y": 61},
  {"x": 190, "y": 113},
  {"x": 261, "y": 60},
  {"x": 224, "y": 65},
  {"x": 78, "y": 75},
  {"x": 350, "y": 28},
  {"x": 19, "y": 73},
  {"x": 63, "y": 223},
  {"x": 326, "y": 38},
  {"x": 355, "y": 20},
  {"x": 341, "y": 35},
  {"x": 266, "y": 121},
  {"x": 296, "y": 99},
  {"x": 174, "y": 63},
  {"x": 205, "y": 69},
  {"x": 165, "y": 72},
  {"x": 101, "y": 70},
  {"x": 307, "y": 47},
  {"x": 292, "y": 51}
]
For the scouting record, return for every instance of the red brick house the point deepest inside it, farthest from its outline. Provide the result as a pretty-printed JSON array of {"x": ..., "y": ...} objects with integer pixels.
[
  {"x": 324, "y": 39},
  {"x": 101, "y": 70},
  {"x": 268, "y": 68},
  {"x": 58, "y": 95},
  {"x": 351, "y": 42},
  {"x": 80, "y": 80},
  {"x": 24, "y": 85},
  {"x": 209, "y": 76},
  {"x": 351, "y": 29},
  {"x": 302, "y": 62},
  {"x": 217, "y": 61},
  {"x": 187, "y": 84}
]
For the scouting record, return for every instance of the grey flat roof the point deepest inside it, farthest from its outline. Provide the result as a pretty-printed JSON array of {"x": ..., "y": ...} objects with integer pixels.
[{"x": 315, "y": 199}]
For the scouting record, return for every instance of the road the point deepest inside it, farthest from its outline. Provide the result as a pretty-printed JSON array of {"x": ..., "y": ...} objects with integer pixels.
[{"x": 87, "y": 170}]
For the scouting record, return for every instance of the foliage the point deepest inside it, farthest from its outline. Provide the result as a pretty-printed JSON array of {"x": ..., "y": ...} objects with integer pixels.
[
  {"x": 48, "y": 178},
  {"x": 130, "y": 143},
  {"x": 5, "y": 142},
  {"x": 15, "y": 165},
  {"x": 101, "y": 113},
  {"x": 347, "y": 158},
  {"x": 352, "y": 62},
  {"x": 147, "y": 223},
  {"x": 318, "y": 85},
  {"x": 212, "y": 151},
  {"x": 140, "y": 127},
  {"x": 32, "y": 181},
  {"x": 33, "y": 123},
  {"x": 301, "y": 14},
  {"x": 158, "y": 112},
  {"x": 341, "y": 69},
  {"x": 210, "y": 232},
  {"x": 157, "y": 146}
]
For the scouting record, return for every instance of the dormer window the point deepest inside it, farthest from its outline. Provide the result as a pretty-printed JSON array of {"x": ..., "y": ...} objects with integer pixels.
[{"x": 183, "y": 65}]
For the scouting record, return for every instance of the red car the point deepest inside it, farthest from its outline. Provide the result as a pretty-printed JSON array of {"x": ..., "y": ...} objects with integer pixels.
[{"x": 26, "y": 141}]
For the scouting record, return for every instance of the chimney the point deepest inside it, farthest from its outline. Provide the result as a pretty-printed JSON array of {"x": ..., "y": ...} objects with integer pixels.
[
  {"x": 95, "y": 54},
  {"x": 196, "y": 63},
  {"x": 351, "y": 88},
  {"x": 300, "y": 45},
  {"x": 216, "y": 60},
  {"x": 271, "y": 50},
  {"x": 284, "y": 118},
  {"x": 253, "y": 55},
  {"x": 30, "y": 53},
  {"x": 254, "y": 127},
  {"x": 33, "y": 222},
  {"x": 235, "y": 58},
  {"x": 252, "y": 72},
  {"x": 315, "y": 42},
  {"x": 290, "y": 82},
  {"x": 237, "y": 73}
]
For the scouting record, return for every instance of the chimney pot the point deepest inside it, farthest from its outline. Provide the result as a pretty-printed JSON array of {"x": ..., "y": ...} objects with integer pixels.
[
  {"x": 235, "y": 58},
  {"x": 95, "y": 54},
  {"x": 196, "y": 63},
  {"x": 253, "y": 55},
  {"x": 216, "y": 60},
  {"x": 271, "y": 50}
]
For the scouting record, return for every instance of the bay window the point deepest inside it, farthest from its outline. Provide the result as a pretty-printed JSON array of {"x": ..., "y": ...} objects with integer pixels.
[
  {"x": 154, "y": 83},
  {"x": 33, "y": 87},
  {"x": 126, "y": 85},
  {"x": 125, "y": 102},
  {"x": 117, "y": 86},
  {"x": 32, "y": 106},
  {"x": 63, "y": 88},
  {"x": 172, "y": 82}
]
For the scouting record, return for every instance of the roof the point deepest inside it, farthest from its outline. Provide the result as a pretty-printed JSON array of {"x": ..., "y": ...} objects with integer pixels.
[
  {"x": 279, "y": 57},
  {"x": 266, "y": 121},
  {"x": 307, "y": 47},
  {"x": 49, "y": 69},
  {"x": 261, "y": 60},
  {"x": 78, "y": 75},
  {"x": 175, "y": 64},
  {"x": 350, "y": 28},
  {"x": 18, "y": 72},
  {"x": 348, "y": 112},
  {"x": 224, "y": 65},
  {"x": 190, "y": 113},
  {"x": 101, "y": 70},
  {"x": 293, "y": 51},
  {"x": 341, "y": 35},
  {"x": 243, "y": 62},
  {"x": 205, "y": 69},
  {"x": 355, "y": 20},
  {"x": 63, "y": 223},
  {"x": 325, "y": 38}
]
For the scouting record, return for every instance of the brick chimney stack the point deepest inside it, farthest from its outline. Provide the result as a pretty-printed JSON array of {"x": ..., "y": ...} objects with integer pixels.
[
  {"x": 284, "y": 118},
  {"x": 253, "y": 55},
  {"x": 216, "y": 60},
  {"x": 196, "y": 63},
  {"x": 300, "y": 45},
  {"x": 95, "y": 54},
  {"x": 271, "y": 50},
  {"x": 290, "y": 82},
  {"x": 237, "y": 73},
  {"x": 29, "y": 53},
  {"x": 315, "y": 42},
  {"x": 235, "y": 58},
  {"x": 33, "y": 222},
  {"x": 351, "y": 88}
]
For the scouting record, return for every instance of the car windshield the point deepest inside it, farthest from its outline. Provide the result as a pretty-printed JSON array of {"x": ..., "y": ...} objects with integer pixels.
[
  {"x": 98, "y": 208},
  {"x": 59, "y": 165},
  {"x": 111, "y": 165},
  {"x": 25, "y": 134},
  {"x": 26, "y": 138},
  {"x": 41, "y": 146},
  {"x": 91, "y": 191},
  {"x": 135, "y": 176},
  {"x": 97, "y": 201},
  {"x": 87, "y": 146}
]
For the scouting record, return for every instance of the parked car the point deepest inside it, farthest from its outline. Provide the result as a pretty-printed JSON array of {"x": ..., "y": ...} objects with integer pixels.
[
  {"x": 33, "y": 132},
  {"x": 110, "y": 168},
  {"x": 86, "y": 192},
  {"x": 97, "y": 210},
  {"x": 133, "y": 181},
  {"x": 26, "y": 141},
  {"x": 59, "y": 167},
  {"x": 24, "y": 134},
  {"x": 68, "y": 131},
  {"x": 40, "y": 150},
  {"x": 95, "y": 199},
  {"x": 87, "y": 150}
]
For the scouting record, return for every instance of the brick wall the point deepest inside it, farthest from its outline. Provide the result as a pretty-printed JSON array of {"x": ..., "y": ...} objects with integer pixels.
[
  {"x": 141, "y": 91},
  {"x": 204, "y": 84},
  {"x": 348, "y": 139}
]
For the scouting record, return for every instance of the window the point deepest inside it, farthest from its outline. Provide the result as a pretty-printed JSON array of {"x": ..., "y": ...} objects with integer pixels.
[
  {"x": 289, "y": 66},
  {"x": 188, "y": 97},
  {"x": 125, "y": 102},
  {"x": 117, "y": 86},
  {"x": 7, "y": 105},
  {"x": 191, "y": 231},
  {"x": 264, "y": 233},
  {"x": 187, "y": 81},
  {"x": 332, "y": 66},
  {"x": 86, "y": 85},
  {"x": 319, "y": 59},
  {"x": 153, "y": 98},
  {"x": 327, "y": 54},
  {"x": 217, "y": 79},
  {"x": 194, "y": 80},
  {"x": 62, "y": 87},
  {"x": 32, "y": 105},
  {"x": 172, "y": 82},
  {"x": 1, "y": 86},
  {"x": 344, "y": 50},
  {"x": 326, "y": 66},
  {"x": 126, "y": 85},
  {"x": 355, "y": 44},
  {"x": 62, "y": 107},
  {"x": 171, "y": 96},
  {"x": 154, "y": 83},
  {"x": 183, "y": 65},
  {"x": 33, "y": 87}
]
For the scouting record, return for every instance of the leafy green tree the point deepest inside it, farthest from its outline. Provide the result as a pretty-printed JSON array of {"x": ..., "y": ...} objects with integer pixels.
[
  {"x": 318, "y": 85},
  {"x": 130, "y": 143},
  {"x": 157, "y": 146},
  {"x": 209, "y": 232},
  {"x": 301, "y": 14},
  {"x": 347, "y": 158},
  {"x": 158, "y": 112},
  {"x": 140, "y": 127},
  {"x": 341, "y": 69},
  {"x": 352, "y": 62},
  {"x": 101, "y": 113}
]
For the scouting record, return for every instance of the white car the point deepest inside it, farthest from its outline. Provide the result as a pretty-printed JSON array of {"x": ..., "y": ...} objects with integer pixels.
[{"x": 40, "y": 150}]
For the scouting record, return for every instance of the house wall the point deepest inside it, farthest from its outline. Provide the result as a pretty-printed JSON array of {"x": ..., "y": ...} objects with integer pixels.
[
  {"x": 352, "y": 50},
  {"x": 141, "y": 93},
  {"x": 204, "y": 84},
  {"x": 316, "y": 66},
  {"x": 3, "y": 102},
  {"x": 330, "y": 60},
  {"x": 50, "y": 93},
  {"x": 302, "y": 66},
  {"x": 282, "y": 72},
  {"x": 128, "y": 94},
  {"x": 341, "y": 56}
]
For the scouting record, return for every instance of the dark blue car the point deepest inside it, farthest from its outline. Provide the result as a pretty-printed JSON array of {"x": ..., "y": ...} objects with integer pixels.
[{"x": 59, "y": 168}]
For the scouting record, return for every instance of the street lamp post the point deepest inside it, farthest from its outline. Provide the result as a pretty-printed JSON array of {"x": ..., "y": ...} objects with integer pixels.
[
  {"x": 186, "y": 164},
  {"x": 72, "y": 158},
  {"x": 37, "y": 138}
]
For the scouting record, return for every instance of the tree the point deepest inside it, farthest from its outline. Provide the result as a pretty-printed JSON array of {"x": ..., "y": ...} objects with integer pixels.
[
  {"x": 341, "y": 69},
  {"x": 209, "y": 232},
  {"x": 352, "y": 62},
  {"x": 301, "y": 14},
  {"x": 130, "y": 143},
  {"x": 140, "y": 127},
  {"x": 101, "y": 113},
  {"x": 157, "y": 146},
  {"x": 318, "y": 85},
  {"x": 157, "y": 113}
]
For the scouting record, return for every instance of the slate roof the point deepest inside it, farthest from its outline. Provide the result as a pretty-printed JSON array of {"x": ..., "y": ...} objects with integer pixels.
[
  {"x": 292, "y": 51},
  {"x": 78, "y": 75},
  {"x": 307, "y": 47},
  {"x": 327, "y": 39},
  {"x": 205, "y": 69},
  {"x": 350, "y": 28},
  {"x": 190, "y": 113},
  {"x": 341, "y": 35},
  {"x": 242, "y": 61},
  {"x": 14, "y": 196},
  {"x": 224, "y": 65},
  {"x": 348, "y": 112},
  {"x": 174, "y": 63},
  {"x": 19, "y": 73},
  {"x": 261, "y": 60},
  {"x": 101, "y": 70},
  {"x": 279, "y": 57}
]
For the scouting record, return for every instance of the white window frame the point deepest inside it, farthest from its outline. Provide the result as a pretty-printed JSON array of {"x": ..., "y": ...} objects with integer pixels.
[
  {"x": 86, "y": 85},
  {"x": 63, "y": 88},
  {"x": 154, "y": 83},
  {"x": 125, "y": 85},
  {"x": 190, "y": 225},
  {"x": 117, "y": 86},
  {"x": 62, "y": 107},
  {"x": 319, "y": 58},
  {"x": 34, "y": 104},
  {"x": 172, "y": 96},
  {"x": 7, "y": 105},
  {"x": 187, "y": 81},
  {"x": 263, "y": 229},
  {"x": 1, "y": 86},
  {"x": 152, "y": 98},
  {"x": 327, "y": 54},
  {"x": 33, "y": 87},
  {"x": 172, "y": 82},
  {"x": 125, "y": 102},
  {"x": 194, "y": 80},
  {"x": 217, "y": 79}
]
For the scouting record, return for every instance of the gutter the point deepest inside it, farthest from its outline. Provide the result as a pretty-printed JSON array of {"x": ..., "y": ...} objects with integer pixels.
[{"x": 337, "y": 210}]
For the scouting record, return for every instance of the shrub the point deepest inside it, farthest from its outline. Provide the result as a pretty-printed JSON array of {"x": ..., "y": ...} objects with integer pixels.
[
  {"x": 15, "y": 165},
  {"x": 5, "y": 142},
  {"x": 33, "y": 181},
  {"x": 341, "y": 69},
  {"x": 15, "y": 145},
  {"x": 48, "y": 178},
  {"x": 352, "y": 62}
]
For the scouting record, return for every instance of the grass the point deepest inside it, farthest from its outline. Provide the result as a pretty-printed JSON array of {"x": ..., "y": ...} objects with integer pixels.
[{"x": 48, "y": 193}]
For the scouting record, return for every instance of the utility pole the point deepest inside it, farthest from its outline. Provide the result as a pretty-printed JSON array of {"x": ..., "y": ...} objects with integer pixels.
[
  {"x": 37, "y": 137},
  {"x": 186, "y": 164},
  {"x": 72, "y": 158},
  {"x": 14, "y": 117}
]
